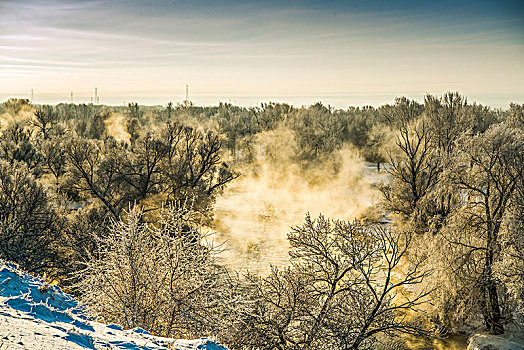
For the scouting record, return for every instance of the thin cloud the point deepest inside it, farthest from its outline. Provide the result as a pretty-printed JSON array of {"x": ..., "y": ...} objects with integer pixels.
[{"x": 266, "y": 49}]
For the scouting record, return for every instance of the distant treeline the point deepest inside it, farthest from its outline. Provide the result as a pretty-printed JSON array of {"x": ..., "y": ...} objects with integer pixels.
[{"x": 318, "y": 129}]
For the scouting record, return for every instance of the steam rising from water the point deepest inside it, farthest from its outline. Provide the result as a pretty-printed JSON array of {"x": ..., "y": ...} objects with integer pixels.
[
  {"x": 258, "y": 209},
  {"x": 23, "y": 117},
  {"x": 116, "y": 127}
]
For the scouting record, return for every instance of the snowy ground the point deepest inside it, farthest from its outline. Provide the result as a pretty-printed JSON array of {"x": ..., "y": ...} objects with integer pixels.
[
  {"x": 508, "y": 341},
  {"x": 36, "y": 316}
]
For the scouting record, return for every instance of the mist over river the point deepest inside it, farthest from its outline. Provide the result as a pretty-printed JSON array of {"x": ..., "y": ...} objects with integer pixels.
[{"x": 257, "y": 210}]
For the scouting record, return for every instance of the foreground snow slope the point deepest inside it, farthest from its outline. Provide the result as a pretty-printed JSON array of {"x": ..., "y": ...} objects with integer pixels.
[{"x": 37, "y": 316}]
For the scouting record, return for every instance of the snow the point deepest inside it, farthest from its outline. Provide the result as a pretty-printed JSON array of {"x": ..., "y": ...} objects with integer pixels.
[
  {"x": 508, "y": 341},
  {"x": 36, "y": 316}
]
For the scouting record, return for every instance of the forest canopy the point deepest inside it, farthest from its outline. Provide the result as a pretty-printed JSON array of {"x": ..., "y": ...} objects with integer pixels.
[{"x": 113, "y": 203}]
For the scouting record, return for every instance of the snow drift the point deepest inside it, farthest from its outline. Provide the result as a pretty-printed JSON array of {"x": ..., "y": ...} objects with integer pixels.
[{"x": 34, "y": 315}]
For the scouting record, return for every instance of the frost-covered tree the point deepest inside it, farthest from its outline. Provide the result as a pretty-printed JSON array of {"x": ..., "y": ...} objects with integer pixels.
[
  {"x": 30, "y": 229},
  {"x": 162, "y": 278},
  {"x": 44, "y": 118},
  {"x": 485, "y": 174},
  {"x": 177, "y": 163},
  {"x": 346, "y": 285},
  {"x": 18, "y": 145},
  {"x": 376, "y": 148},
  {"x": 515, "y": 115},
  {"x": 413, "y": 167},
  {"x": 14, "y": 105}
]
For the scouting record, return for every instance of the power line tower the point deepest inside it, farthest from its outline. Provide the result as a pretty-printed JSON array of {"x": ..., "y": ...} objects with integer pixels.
[
  {"x": 96, "y": 96},
  {"x": 71, "y": 97},
  {"x": 187, "y": 93},
  {"x": 32, "y": 97}
]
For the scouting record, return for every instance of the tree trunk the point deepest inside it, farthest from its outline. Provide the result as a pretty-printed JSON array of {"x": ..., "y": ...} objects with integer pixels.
[
  {"x": 493, "y": 317},
  {"x": 492, "y": 313}
]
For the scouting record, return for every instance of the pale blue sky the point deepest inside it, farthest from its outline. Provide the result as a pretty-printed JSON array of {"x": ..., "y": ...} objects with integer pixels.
[{"x": 339, "y": 52}]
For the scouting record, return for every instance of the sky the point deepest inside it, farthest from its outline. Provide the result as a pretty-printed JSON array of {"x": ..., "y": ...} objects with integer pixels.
[{"x": 341, "y": 53}]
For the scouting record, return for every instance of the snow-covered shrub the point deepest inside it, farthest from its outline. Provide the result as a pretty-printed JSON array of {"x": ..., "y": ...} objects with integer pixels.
[{"x": 160, "y": 277}]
